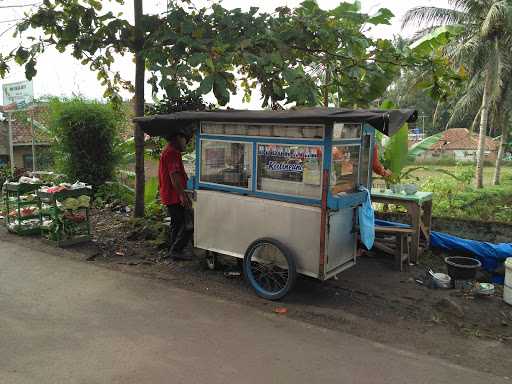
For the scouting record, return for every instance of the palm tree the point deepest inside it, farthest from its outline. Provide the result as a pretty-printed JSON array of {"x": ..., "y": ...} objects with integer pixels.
[{"x": 483, "y": 49}]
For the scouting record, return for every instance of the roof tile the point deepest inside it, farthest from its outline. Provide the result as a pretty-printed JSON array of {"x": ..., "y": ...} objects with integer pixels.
[{"x": 462, "y": 139}]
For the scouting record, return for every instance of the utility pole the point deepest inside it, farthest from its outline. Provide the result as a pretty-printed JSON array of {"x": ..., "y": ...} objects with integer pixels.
[
  {"x": 139, "y": 110},
  {"x": 33, "y": 141},
  {"x": 11, "y": 147}
]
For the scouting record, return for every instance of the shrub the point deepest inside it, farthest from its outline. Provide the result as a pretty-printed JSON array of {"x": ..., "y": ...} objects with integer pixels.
[
  {"x": 114, "y": 193},
  {"x": 455, "y": 197},
  {"x": 84, "y": 133},
  {"x": 5, "y": 173},
  {"x": 151, "y": 190}
]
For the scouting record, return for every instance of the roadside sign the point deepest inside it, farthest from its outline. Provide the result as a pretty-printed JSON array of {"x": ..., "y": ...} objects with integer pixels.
[{"x": 21, "y": 92}]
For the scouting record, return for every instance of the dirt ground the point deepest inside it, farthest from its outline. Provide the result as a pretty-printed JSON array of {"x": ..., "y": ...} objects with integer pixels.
[{"x": 370, "y": 300}]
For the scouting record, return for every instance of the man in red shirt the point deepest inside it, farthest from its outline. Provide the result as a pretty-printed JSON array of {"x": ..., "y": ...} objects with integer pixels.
[
  {"x": 377, "y": 166},
  {"x": 173, "y": 181}
]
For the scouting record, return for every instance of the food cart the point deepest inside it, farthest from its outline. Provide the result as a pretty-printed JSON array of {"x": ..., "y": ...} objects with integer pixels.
[{"x": 280, "y": 189}]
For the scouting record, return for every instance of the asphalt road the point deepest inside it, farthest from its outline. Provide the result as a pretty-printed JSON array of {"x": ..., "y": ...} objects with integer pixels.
[{"x": 65, "y": 321}]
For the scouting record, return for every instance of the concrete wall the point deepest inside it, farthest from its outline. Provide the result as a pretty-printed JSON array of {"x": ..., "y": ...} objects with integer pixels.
[{"x": 457, "y": 155}]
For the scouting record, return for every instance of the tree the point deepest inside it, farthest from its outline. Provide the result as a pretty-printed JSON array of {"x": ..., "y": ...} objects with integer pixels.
[
  {"x": 222, "y": 49},
  {"x": 432, "y": 84},
  {"x": 215, "y": 50},
  {"x": 483, "y": 49},
  {"x": 505, "y": 121}
]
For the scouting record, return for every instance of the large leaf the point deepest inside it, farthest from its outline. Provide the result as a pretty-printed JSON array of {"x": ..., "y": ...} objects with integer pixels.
[
  {"x": 206, "y": 85},
  {"x": 395, "y": 151},
  {"x": 439, "y": 37},
  {"x": 383, "y": 16},
  {"x": 424, "y": 145}
]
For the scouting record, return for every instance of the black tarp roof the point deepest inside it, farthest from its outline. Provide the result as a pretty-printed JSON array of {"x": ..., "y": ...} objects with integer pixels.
[{"x": 386, "y": 121}]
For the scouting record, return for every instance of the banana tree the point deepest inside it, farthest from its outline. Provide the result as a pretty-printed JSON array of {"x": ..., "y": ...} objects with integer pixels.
[{"x": 396, "y": 154}]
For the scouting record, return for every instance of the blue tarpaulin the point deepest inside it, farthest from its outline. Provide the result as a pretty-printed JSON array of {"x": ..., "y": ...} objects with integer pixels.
[{"x": 490, "y": 255}]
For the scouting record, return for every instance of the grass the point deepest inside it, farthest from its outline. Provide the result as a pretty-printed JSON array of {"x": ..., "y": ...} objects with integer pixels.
[
  {"x": 459, "y": 199},
  {"x": 430, "y": 171},
  {"x": 151, "y": 190}
]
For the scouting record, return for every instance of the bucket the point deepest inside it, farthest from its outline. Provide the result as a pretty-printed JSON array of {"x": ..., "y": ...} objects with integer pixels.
[
  {"x": 507, "y": 289},
  {"x": 462, "y": 268}
]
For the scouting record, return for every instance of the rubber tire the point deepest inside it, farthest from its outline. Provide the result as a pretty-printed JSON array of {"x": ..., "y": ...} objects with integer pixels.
[
  {"x": 292, "y": 269},
  {"x": 211, "y": 261}
]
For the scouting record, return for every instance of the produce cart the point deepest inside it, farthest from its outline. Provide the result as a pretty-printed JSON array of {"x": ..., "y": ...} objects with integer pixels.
[
  {"x": 65, "y": 216},
  {"x": 280, "y": 190},
  {"x": 22, "y": 208}
]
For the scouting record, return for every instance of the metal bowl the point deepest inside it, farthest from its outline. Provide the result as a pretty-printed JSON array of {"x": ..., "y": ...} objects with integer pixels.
[
  {"x": 441, "y": 280},
  {"x": 396, "y": 188},
  {"x": 410, "y": 189}
]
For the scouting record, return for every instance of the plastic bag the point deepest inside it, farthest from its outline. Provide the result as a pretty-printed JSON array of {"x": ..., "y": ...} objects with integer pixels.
[{"x": 366, "y": 221}]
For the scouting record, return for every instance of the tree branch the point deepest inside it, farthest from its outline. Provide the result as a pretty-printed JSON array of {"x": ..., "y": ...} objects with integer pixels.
[{"x": 20, "y": 6}]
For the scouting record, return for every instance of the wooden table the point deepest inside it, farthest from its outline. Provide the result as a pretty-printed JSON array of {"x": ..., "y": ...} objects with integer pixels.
[{"x": 419, "y": 209}]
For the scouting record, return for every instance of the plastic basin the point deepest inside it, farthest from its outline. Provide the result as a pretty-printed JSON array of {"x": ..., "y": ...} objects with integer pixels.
[{"x": 462, "y": 268}]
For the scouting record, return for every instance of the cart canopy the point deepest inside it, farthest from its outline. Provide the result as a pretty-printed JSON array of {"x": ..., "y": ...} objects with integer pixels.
[{"x": 385, "y": 121}]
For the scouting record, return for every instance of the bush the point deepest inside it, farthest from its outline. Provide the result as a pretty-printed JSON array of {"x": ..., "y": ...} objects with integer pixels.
[
  {"x": 84, "y": 133},
  {"x": 6, "y": 174},
  {"x": 456, "y": 198},
  {"x": 151, "y": 190},
  {"x": 114, "y": 193}
]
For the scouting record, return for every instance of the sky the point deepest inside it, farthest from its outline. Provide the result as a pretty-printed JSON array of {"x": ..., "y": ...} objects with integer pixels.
[{"x": 62, "y": 75}]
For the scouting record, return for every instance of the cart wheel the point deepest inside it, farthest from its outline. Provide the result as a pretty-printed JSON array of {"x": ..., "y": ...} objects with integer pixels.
[
  {"x": 270, "y": 268},
  {"x": 211, "y": 260}
]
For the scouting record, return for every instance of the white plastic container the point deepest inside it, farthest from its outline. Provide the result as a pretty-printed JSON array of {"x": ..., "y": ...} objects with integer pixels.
[{"x": 507, "y": 289}]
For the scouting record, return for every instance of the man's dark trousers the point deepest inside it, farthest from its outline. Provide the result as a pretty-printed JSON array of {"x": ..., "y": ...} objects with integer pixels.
[{"x": 180, "y": 235}]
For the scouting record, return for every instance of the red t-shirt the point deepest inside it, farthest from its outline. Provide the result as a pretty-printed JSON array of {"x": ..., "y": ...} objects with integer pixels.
[{"x": 170, "y": 162}]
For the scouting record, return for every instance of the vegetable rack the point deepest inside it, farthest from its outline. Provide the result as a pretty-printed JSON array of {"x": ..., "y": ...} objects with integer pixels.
[
  {"x": 65, "y": 216},
  {"x": 23, "y": 208}
]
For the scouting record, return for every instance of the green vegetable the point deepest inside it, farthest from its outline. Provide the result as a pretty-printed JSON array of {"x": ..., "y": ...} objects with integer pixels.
[{"x": 71, "y": 203}]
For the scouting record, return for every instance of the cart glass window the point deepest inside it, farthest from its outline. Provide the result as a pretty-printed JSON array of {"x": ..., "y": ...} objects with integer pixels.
[
  {"x": 290, "y": 169},
  {"x": 346, "y": 131},
  {"x": 295, "y": 131},
  {"x": 226, "y": 163},
  {"x": 345, "y": 164}
]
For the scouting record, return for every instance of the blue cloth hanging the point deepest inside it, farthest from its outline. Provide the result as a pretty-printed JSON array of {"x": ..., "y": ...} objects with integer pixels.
[{"x": 366, "y": 220}]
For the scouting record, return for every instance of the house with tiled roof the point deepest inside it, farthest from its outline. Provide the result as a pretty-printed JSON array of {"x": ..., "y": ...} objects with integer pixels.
[
  {"x": 23, "y": 123},
  {"x": 460, "y": 144}
]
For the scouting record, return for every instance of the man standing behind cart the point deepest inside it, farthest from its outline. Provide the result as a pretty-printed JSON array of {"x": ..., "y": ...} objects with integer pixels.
[{"x": 173, "y": 181}]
